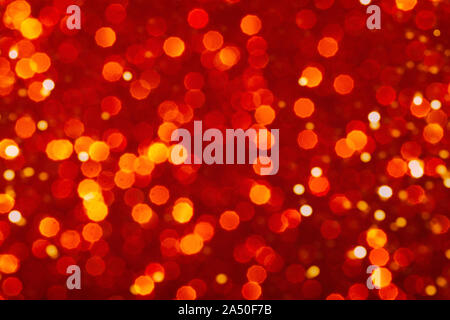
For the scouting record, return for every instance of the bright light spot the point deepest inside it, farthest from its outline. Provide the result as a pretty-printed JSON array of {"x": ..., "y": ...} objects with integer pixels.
[
  {"x": 379, "y": 215},
  {"x": 444, "y": 154},
  {"x": 416, "y": 168},
  {"x": 105, "y": 116},
  {"x": 83, "y": 156},
  {"x": 42, "y": 125},
  {"x": 13, "y": 54},
  {"x": 401, "y": 222},
  {"x": 312, "y": 272},
  {"x": 43, "y": 176},
  {"x": 385, "y": 192},
  {"x": 303, "y": 81},
  {"x": 364, "y": 2},
  {"x": 28, "y": 172},
  {"x": 430, "y": 290},
  {"x": 52, "y": 251},
  {"x": 436, "y": 104},
  {"x": 403, "y": 195},
  {"x": 362, "y": 205},
  {"x": 447, "y": 182},
  {"x": 441, "y": 282},
  {"x": 221, "y": 278},
  {"x": 22, "y": 92},
  {"x": 14, "y": 216},
  {"x": 45, "y": 92},
  {"x": 48, "y": 84},
  {"x": 374, "y": 116},
  {"x": 158, "y": 276},
  {"x": 299, "y": 189},
  {"x": 360, "y": 252},
  {"x": 306, "y": 210},
  {"x": 127, "y": 76},
  {"x": 12, "y": 151},
  {"x": 418, "y": 100},
  {"x": 374, "y": 125},
  {"x": 316, "y": 172},
  {"x": 441, "y": 169},
  {"x": 9, "y": 175},
  {"x": 365, "y": 157}
]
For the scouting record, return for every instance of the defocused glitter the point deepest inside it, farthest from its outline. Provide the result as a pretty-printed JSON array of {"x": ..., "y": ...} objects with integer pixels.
[{"x": 86, "y": 122}]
